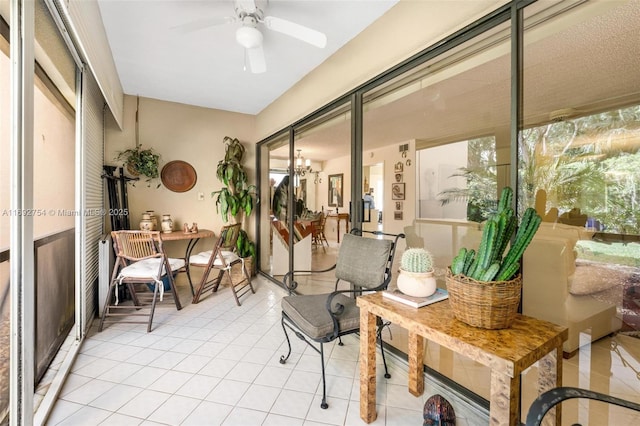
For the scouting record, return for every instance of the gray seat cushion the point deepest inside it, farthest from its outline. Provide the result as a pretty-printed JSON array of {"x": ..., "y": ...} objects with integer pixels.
[
  {"x": 310, "y": 314},
  {"x": 363, "y": 261}
]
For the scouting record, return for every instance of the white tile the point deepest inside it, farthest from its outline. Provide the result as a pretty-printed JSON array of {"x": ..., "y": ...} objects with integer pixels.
[
  {"x": 61, "y": 410},
  {"x": 278, "y": 420},
  {"x": 208, "y": 413},
  {"x": 340, "y": 367},
  {"x": 402, "y": 417},
  {"x": 187, "y": 346},
  {"x": 116, "y": 419},
  {"x": 144, "y": 377},
  {"x": 259, "y": 397},
  {"x": 122, "y": 353},
  {"x": 166, "y": 343},
  {"x": 234, "y": 352},
  {"x": 146, "y": 356},
  {"x": 337, "y": 387},
  {"x": 73, "y": 382},
  {"x": 115, "y": 397},
  {"x": 228, "y": 392},
  {"x": 244, "y": 372},
  {"x": 168, "y": 360},
  {"x": 218, "y": 367},
  {"x": 88, "y": 392},
  {"x": 245, "y": 339},
  {"x": 243, "y": 417},
  {"x": 120, "y": 373},
  {"x": 303, "y": 381},
  {"x": 97, "y": 368},
  {"x": 334, "y": 415},
  {"x": 170, "y": 381},
  {"x": 292, "y": 403},
  {"x": 143, "y": 404},
  {"x": 273, "y": 376},
  {"x": 309, "y": 362},
  {"x": 259, "y": 356},
  {"x": 224, "y": 337},
  {"x": 198, "y": 386},
  {"x": 145, "y": 340},
  {"x": 192, "y": 363},
  {"x": 86, "y": 416},
  {"x": 210, "y": 349},
  {"x": 398, "y": 396},
  {"x": 174, "y": 410},
  {"x": 353, "y": 415}
]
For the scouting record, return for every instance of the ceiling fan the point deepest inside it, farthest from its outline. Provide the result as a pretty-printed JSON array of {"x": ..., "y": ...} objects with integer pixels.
[{"x": 250, "y": 13}]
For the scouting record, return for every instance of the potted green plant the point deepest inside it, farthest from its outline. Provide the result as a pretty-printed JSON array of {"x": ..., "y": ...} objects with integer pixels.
[
  {"x": 236, "y": 199},
  {"x": 484, "y": 284},
  {"x": 416, "y": 276},
  {"x": 140, "y": 161}
]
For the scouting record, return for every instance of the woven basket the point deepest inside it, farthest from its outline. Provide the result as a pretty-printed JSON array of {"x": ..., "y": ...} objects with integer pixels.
[{"x": 486, "y": 304}]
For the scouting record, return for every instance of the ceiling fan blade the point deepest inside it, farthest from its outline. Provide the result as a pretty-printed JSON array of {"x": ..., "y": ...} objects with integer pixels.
[
  {"x": 306, "y": 34},
  {"x": 256, "y": 60},
  {"x": 203, "y": 23}
]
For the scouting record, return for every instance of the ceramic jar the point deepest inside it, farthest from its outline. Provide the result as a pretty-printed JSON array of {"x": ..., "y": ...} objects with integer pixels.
[
  {"x": 146, "y": 224},
  {"x": 167, "y": 223},
  {"x": 154, "y": 219}
]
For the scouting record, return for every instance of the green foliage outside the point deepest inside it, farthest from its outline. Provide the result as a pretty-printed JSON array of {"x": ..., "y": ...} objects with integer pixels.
[{"x": 591, "y": 162}]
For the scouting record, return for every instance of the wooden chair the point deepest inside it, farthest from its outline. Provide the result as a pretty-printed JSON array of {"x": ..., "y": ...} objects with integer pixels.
[
  {"x": 318, "y": 232},
  {"x": 365, "y": 264},
  {"x": 222, "y": 258},
  {"x": 144, "y": 268}
]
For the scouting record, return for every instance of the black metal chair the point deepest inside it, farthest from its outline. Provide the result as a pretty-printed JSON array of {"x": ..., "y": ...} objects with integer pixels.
[
  {"x": 364, "y": 263},
  {"x": 553, "y": 397}
]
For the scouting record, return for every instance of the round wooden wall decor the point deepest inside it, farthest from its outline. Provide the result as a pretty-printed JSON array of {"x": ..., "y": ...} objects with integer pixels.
[{"x": 178, "y": 176}]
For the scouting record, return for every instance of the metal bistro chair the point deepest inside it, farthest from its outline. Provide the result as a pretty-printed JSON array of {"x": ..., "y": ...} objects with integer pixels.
[
  {"x": 553, "y": 397},
  {"x": 222, "y": 258},
  {"x": 141, "y": 265},
  {"x": 364, "y": 263}
]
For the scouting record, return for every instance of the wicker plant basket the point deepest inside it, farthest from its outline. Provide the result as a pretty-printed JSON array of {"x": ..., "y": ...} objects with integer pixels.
[{"x": 486, "y": 304}]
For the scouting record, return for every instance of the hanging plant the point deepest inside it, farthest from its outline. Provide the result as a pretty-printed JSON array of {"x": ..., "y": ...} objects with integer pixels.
[{"x": 140, "y": 161}]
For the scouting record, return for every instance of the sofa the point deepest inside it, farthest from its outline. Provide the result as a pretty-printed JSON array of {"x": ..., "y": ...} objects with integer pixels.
[{"x": 558, "y": 289}]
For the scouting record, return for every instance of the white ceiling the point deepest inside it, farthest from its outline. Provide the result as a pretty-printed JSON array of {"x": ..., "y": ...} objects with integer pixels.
[{"x": 158, "y": 54}]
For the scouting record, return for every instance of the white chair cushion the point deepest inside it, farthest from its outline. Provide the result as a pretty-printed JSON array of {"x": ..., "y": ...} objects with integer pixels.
[
  {"x": 148, "y": 268},
  {"x": 204, "y": 257}
]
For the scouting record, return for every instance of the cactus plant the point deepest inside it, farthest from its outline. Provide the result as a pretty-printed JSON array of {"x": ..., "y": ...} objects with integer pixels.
[
  {"x": 416, "y": 260},
  {"x": 488, "y": 263},
  {"x": 416, "y": 276}
]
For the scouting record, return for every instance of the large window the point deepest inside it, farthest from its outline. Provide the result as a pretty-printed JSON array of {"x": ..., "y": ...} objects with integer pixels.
[{"x": 441, "y": 138}]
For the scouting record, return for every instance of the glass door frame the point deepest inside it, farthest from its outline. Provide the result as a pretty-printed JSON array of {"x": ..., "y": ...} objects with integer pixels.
[{"x": 511, "y": 11}]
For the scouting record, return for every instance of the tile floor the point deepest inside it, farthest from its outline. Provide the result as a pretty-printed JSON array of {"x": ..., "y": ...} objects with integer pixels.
[{"x": 216, "y": 363}]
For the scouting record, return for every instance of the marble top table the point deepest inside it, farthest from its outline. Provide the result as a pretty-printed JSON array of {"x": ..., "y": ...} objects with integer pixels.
[{"x": 506, "y": 352}]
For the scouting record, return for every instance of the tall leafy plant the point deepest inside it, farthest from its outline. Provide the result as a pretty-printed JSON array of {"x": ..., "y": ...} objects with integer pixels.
[{"x": 236, "y": 199}]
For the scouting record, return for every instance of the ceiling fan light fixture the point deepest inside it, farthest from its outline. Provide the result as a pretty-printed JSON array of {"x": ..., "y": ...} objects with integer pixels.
[{"x": 248, "y": 37}]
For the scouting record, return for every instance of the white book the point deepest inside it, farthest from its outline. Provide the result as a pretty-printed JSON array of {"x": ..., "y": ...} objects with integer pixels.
[{"x": 416, "y": 302}]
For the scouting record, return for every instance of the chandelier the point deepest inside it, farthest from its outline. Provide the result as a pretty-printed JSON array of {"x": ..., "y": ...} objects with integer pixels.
[{"x": 300, "y": 169}]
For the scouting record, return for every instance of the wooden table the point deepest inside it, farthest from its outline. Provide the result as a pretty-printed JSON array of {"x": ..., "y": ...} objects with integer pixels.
[
  {"x": 193, "y": 238},
  {"x": 506, "y": 352},
  {"x": 338, "y": 217}
]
